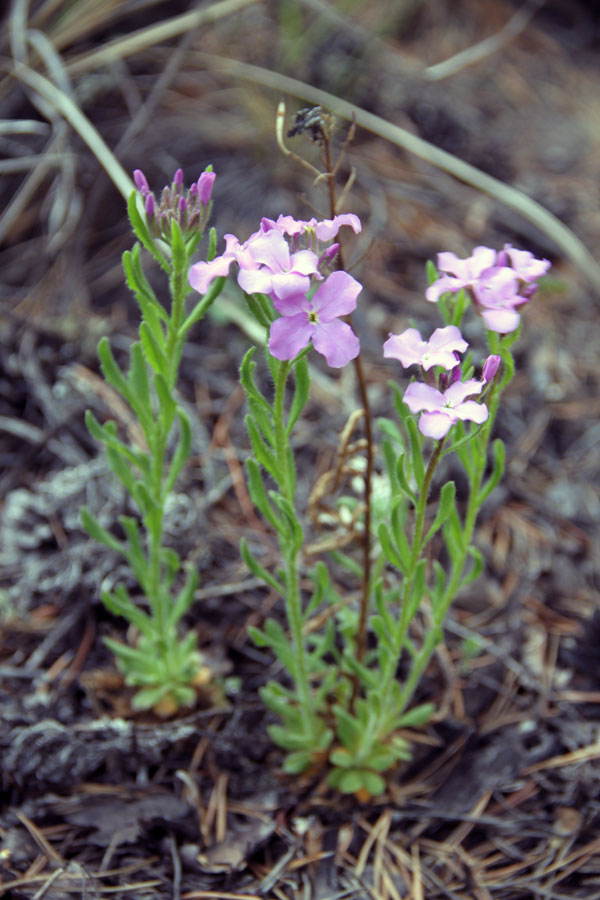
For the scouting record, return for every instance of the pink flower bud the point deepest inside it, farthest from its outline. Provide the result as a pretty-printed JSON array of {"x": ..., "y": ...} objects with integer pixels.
[
  {"x": 141, "y": 182},
  {"x": 178, "y": 179},
  {"x": 490, "y": 367},
  {"x": 205, "y": 186},
  {"x": 149, "y": 206}
]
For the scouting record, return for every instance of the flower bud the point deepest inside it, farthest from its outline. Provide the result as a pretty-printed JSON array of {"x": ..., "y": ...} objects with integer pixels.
[
  {"x": 205, "y": 186},
  {"x": 490, "y": 367},
  {"x": 141, "y": 182}
]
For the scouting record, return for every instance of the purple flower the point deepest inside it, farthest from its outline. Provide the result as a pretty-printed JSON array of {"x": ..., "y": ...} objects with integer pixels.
[
  {"x": 524, "y": 264},
  {"x": 318, "y": 320},
  {"x": 497, "y": 294},
  {"x": 440, "y": 411},
  {"x": 409, "y": 347},
  {"x": 270, "y": 268},
  {"x": 325, "y": 230},
  {"x": 463, "y": 272}
]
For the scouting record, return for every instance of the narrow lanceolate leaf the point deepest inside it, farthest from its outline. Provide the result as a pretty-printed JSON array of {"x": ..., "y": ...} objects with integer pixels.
[
  {"x": 184, "y": 599},
  {"x": 416, "y": 457},
  {"x": 262, "y": 451},
  {"x": 167, "y": 404},
  {"x": 182, "y": 452},
  {"x": 453, "y": 535},
  {"x": 393, "y": 553},
  {"x": 100, "y": 534},
  {"x": 134, "y": 551},
  {"x": 202, "y": 307},
  {"x": 153, "y": 351},
  {"x": 258, "y": 570},
  {"x": 499, "y": 453},
  {"x": 138, "y": 283},
  {"x": 301, "y": 392},
  {"x": 121, "y": 469},
  {"x": 418, "y": 588},
  {"x": 476, "y": 568},
  {"x": 178, "y": 255},
  {"x": 120, "y": 604},
  {"x": 140, "y": 386},
  {"x": 259, "y": 495},
  {"x": 113, "y": 373},
  {"x": 445, "y": 506},
  {"x": 141, "y": 232}
]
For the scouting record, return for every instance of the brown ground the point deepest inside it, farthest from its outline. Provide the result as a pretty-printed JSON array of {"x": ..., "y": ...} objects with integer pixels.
[{"x": 502, "y": 798}]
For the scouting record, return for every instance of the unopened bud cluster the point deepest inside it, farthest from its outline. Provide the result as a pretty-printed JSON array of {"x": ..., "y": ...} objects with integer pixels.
[{"x": 189, "y": 208}]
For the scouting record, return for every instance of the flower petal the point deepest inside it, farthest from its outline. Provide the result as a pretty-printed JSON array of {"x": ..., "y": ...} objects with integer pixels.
[
  {"x": 501, "y": 320},
  {"x": 419, "y": 396},
  {"x": 407, "y": 348},
  {"x": 336, "y": 341},
  {"x": 336, "y": 296},
  {"x": 203, "y": 273},
  {"x": 289, "y": 335},
  {"x": 460, "y": 390},
  {"x": 475, "y": 412},
  {"x": 435, "y": 424}
]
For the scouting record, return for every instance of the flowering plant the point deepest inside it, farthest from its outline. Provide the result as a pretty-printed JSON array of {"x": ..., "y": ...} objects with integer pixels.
[
  {"x": 352, "y": 659},
  {"x": 345, "y": 704},
  {"x": 164, "y": 666}
]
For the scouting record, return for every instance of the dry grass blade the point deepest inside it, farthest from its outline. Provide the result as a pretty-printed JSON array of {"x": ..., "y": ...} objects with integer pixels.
[
  {"x": 155, "y": 34},
  {"x": 82, "y": 125}
]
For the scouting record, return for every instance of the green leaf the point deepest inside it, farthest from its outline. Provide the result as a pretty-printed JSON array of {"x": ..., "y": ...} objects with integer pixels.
[
  {"x": 289, "y": 518},
  {"x": 212, "y": 244},
  {"x": 453, "y": 536},
  {"x": 393, "y": 553},
  {"x": 258, "y": 570},
  {"x": 120, "y": 604},
  {"x": 182, "y": 451},
  {"x": 373, "y": 783},
  {"x": 184, "y": 599},
  {"x": 476, "y": 569},
  {"x": 140, "y": 386},
  {"x": 121, "y": 469},
  {"x": 431, "y": 272},
  {"x": 262, "y": 451},
  {"x": 152, "y": 350},
  {"x": 178, "y": 252},
  {"x": 499, "y": 454},
  {"x": 142, "y": 233},
  {"x": 416, "y": 455},
  {"x": 391, "y": 429},
  {"x": 112, "y": 373},
  {"x": 166, "y": 401},
  {"x": 418, "y": 589},
  {"x": 134, "y": 552},
  {"x": 107, "y": 435},
  {"x": 445, "y": 506},
  {"x": 351, "y": 781},
  {"x": 100, "y": 534},
  {"x": 202, "y": 307},
  {"x": 257, "y": 308},
  {"x": 297, "y": 762},
  {"x": 259, "y": 495},
  {"x": 301, "y": 392},
  {"x": 415, "y": 717}
]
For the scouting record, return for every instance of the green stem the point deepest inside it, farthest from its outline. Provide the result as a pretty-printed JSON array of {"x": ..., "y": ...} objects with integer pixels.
[
  {"x": 293, "y": 599},
  {"x": 417, "y": 546}
]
